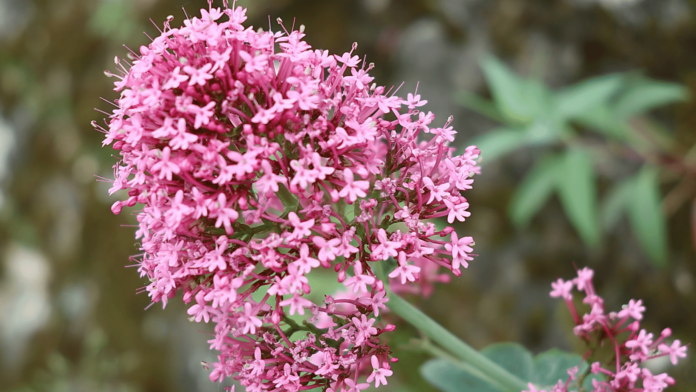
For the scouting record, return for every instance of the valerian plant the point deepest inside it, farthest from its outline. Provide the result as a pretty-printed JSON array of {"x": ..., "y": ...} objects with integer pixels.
[{"x": 258, "y": 160}]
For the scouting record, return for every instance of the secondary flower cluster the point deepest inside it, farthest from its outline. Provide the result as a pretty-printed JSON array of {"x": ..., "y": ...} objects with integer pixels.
[
  {"x": 618, "y": 338},
  {"x": 257, "y": 160}
]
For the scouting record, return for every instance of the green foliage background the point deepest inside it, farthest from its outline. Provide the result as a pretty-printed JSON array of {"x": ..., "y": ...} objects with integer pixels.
[{"x": 71, "y": 320}]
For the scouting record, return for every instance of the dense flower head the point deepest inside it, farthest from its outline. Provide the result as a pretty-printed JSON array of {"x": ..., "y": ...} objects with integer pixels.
[
  {"x": 617, "y": 345},
  {"x": 258, "y": 160}
]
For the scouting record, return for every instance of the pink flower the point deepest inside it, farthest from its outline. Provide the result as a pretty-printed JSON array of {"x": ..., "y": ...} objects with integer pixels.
[
  {"x": 199, "y": 76},
  {"x": 248, "y": 320},
  {"x": 405, "y": 271},
  {"x": 385, "y": 248},
  {"x": 354, "y": 386},
  {"x": 297, "y": 304},
  {"x": 243, "y": 147},
  {"x": 561, "y": 289},
  {"x": 634, "y": 309},
  {"x": 378, "y": 374},
  {"x": 327, "y": 249},
  {"x": 584, "y": 278},
  {"x": 460, "y": 248},
  {"x": 675, "y": 351},
  {"x": 359, "y": 282},
  {"x": 642, "y": 342},
  {"x": 457, "y": 210},
  {"x": 364, "y": 329},
  {"x": 353, "y": 189},
  {"x": 597, "y": 329}
]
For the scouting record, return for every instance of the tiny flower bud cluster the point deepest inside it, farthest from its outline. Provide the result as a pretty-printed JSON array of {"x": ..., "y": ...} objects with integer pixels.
[
  {"x": 257, "y": 160},
  {"x": 620, "y": 335}
]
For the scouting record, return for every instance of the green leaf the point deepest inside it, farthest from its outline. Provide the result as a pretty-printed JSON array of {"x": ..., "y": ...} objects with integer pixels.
[
  {"x": 646, "y": 216},
  {"x": 512, "y": 94},
  {"x": 535, "y": 190},
  {"x": 605, "y": 120},
  {"x": 497, "y": 143},
  {"x": 512, "y": 357},
  {"x": 648, "y": 94},
  {"x": 585, "y": 95},
  {"x": 576, "y": 187},
  {"x": 543, "y": 131},
  {"x": 448, "y": 377},
  {"x": 553, "y": 365},
  {"x": 480, "y": 105},
  {"x": 616, "y": 203}
]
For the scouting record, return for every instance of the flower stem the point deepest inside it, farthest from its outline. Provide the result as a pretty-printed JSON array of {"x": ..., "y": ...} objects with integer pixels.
[{"x": 437, "y": 333}]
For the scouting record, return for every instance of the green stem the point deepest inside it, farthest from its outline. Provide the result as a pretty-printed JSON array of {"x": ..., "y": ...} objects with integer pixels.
[{"x": 445, "y": 338}]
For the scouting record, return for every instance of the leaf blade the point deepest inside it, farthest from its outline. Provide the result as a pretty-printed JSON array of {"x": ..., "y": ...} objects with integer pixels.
[
  {"x": 507, "y": 89},
  {"x": 646, "y": 217},
  {"x": 448, "y": 377},
  {"x": 647, "y": 94},
  {"x": 497, "y": 143},
  {"x": 535, "y": 190},
  {"x": 576, "y": 188},
  {"x": 551, "y": 366},
  {"x": 512, "y": 357},
  {"x": 616, "y": 203},
  {"x": 481, "y": 106},
  {"x": 587, "y": 94}
]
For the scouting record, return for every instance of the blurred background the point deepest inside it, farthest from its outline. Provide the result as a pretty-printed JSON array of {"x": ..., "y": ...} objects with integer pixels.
[{"x": 582, "y": 109}]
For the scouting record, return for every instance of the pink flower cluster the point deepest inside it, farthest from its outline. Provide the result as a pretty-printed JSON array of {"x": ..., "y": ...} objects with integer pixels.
[
  {"x": 617, "y": 344},
  {"x": 257, "y": 160}
]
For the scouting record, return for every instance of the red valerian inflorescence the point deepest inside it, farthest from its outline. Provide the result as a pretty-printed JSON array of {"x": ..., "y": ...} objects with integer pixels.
[
  {"x": 616, "y": 337},
  {"x": 257, "y": 160}
]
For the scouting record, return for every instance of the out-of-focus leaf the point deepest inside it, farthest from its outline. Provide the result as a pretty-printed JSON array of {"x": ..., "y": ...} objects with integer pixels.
[
  {"x": 449, "y": 377},
  {"x": 647, "y": 94},
  {"x": 646, "y": 216},
  {"x": 540, "y": 98},
  {"x": 616, "y": 203},
  {"x": 576, "y": 186},
  {"x": 603, "y": 119},
  {"x": 543, "y": 131},
  {"x": 496, "y": 143},
  {"x": 586, "y": 95},
  {"x": 553, "y": 365},
  {"x": 509, "y": 91},
  {"x": 480, "y": 105},
  {"x": 535, "y": 190},
  {"x": 512, "y": 357}
]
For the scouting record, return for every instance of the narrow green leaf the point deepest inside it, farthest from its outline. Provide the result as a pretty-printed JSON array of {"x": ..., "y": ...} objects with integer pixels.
[
  {"x": 512, "y": 357},
  {"x": 615, "y": 204},
  {"x": 604, "y": 120},
  {"x": 540, "y": 98},
  {"x": 646, "y": 217},
  {"x": 553, "y": 365},
  {"x": 576, "y": 187},
  {"x": 585, "y": 95},
  {"x": 508, "y": 91},
  {"x": 499, "y": 142},
  {"x": 449, "y": 377},
  {"x": 480, "y": 105},
  {"x": 535, "y": 190},
  {"x": 544, "y": 131},
  {"x": 648, "y": 94}
]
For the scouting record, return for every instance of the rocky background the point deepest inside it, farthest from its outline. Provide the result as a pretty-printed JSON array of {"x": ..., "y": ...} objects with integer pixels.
[{"x": 70, "y": 319}]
